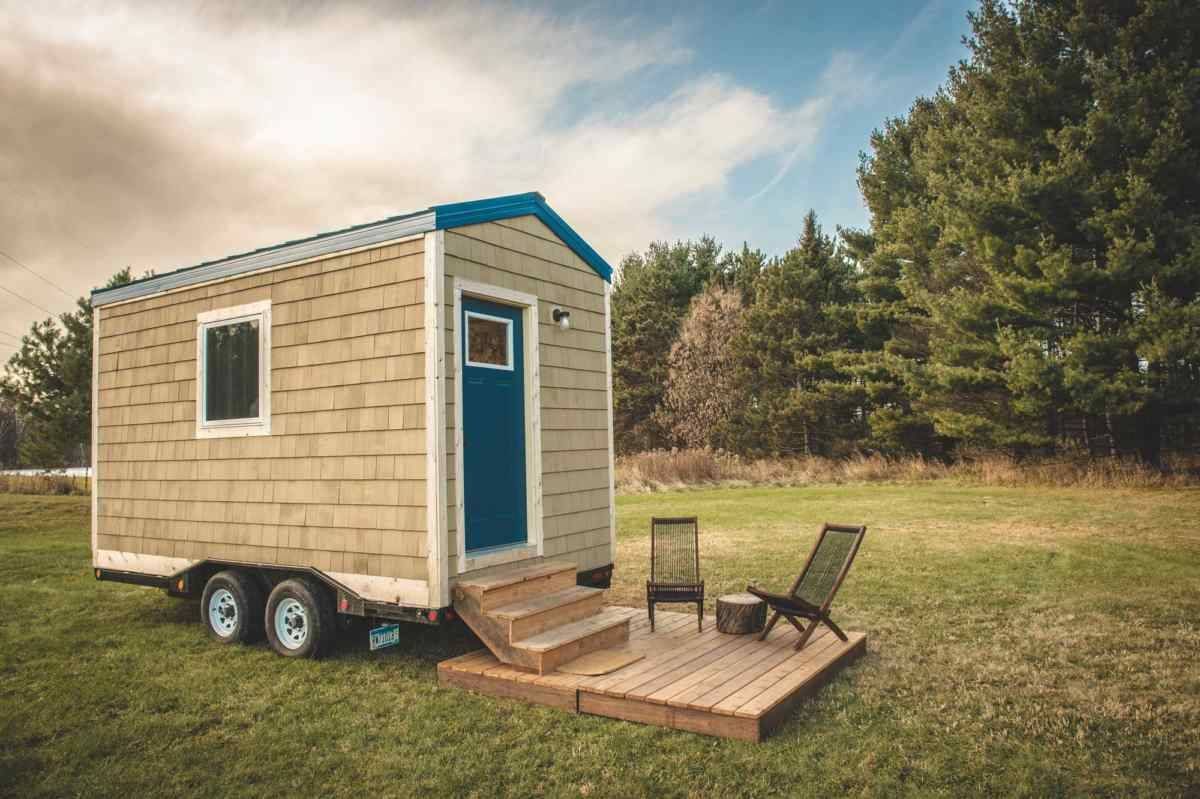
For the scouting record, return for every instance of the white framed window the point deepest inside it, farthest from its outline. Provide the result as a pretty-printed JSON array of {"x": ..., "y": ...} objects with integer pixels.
[
  {"x": 489, "y": 341},
  {"x": 233, "y": 371}
]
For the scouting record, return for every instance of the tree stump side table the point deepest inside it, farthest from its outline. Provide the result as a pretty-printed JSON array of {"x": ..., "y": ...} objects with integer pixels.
[{"x": 739, "y": 614}]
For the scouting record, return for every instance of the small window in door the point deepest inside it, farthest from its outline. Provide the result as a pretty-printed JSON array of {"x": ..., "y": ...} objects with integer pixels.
[{"x": 489, "y": 341}]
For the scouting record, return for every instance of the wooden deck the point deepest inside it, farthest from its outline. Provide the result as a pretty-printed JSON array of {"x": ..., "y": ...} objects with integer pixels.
[{"x": 724, "y": 685}]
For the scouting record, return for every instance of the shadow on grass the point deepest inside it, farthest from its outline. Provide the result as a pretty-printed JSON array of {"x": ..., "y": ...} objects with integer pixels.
[{"x": 429, "y": 643}]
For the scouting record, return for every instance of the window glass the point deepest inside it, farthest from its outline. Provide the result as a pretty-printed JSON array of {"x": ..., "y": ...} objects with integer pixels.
[
  {"x": 487, "y": 341},
  {"x": 231, "y": 379}
]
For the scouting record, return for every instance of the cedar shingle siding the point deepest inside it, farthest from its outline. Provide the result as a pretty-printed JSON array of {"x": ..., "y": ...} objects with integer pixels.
[
  {"x": 524, "y": 255},
  {"x": 339, "y": 483}
]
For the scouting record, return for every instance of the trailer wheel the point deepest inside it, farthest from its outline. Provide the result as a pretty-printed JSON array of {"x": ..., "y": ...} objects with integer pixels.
[
  {"x": 232, "y": 608},
  {"x": 300, "y": 619}
]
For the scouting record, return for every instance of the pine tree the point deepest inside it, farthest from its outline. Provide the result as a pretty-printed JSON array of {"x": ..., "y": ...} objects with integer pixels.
[
  {"x": 879, "y": 368},
  {"x": 10, "y": 436},
  {"x": 786, "y": 350},
  {"x": 1042, "y": 208},
  {"x": 738, "y": 271},
  {"x": 651, "y": 297},
  {"x": 48, "y": 383}
]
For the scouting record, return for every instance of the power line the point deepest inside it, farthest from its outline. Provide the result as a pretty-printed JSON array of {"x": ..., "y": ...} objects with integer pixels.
[
  {"x": 10, "y": 335},
  {"x": 38, "y": 275},
  {"x": 26, "y": 299}
]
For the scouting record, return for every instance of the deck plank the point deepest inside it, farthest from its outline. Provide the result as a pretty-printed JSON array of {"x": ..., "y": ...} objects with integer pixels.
[
  {"x": 790, "y": 681},
  {"x": 475, "y": 662},
  {"x": 681, "y": 678},
  {"x": 704, "y": 682},
  {"x": 636, "y": 623},
  {"x": 679, "y": 674},
  {"x": 699, "y": 680},
  {"x": 730, "y": 704},
  {"x": 670, "y": 653},
  {"x": 738, "y": 675}
]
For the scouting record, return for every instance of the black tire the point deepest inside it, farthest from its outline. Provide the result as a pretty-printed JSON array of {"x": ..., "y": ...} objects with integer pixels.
[
  {"x": 231, "y": 608},
  {"x": 308, "y": 614}
]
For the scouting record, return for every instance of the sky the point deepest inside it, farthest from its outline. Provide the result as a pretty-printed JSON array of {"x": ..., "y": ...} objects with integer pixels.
[{"x": 159, "y": 135}]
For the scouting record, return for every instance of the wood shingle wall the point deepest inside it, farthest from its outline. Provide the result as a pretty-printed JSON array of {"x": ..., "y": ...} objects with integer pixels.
[
  {"x": 339, "y": 483},
  {"x": 522, "y": 254}
]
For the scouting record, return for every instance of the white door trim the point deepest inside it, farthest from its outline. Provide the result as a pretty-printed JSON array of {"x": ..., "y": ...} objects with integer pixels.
[{"x": 534, "y": 543}]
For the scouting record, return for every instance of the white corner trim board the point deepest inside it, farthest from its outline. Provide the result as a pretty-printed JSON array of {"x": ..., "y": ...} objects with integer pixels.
[
  {"x": 612, "y": 466},
  {"x": 95, "y": 447},
  {"x": 436, "y": 521}
]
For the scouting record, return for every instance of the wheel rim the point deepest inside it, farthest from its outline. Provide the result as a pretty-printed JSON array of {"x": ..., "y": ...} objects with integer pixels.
[
  {"x": 291, "y": 623},
  {"x": 223, "y": 612}
]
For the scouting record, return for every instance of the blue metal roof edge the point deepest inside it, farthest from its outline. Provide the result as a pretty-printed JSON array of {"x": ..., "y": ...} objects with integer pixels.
[
  {"x": 437, "y": 217},
  {"x": 492, "y": 209}
]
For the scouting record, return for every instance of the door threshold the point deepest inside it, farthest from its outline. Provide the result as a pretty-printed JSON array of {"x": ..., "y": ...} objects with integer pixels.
[{"x": 497, "y": 556}]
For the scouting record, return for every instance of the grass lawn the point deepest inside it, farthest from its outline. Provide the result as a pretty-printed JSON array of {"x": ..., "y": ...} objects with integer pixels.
[{"x": 1021, "y": 642}]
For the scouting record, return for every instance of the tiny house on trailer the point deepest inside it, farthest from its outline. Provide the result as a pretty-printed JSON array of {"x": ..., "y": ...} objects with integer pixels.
[{"x": 385, "y": 421}]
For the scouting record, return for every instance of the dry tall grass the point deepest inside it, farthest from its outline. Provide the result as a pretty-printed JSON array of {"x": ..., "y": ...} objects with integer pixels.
[
  {"x": 61, "y": 484},
  {"x": 669, "y": 469}
]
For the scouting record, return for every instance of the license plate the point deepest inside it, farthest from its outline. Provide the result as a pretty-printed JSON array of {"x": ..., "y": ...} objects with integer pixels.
[{"x": 387, "y": 635}]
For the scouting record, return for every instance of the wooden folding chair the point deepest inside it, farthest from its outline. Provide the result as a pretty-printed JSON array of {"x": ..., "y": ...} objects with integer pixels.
[
  {"x": 811, "y": 595},
  {"x": 675, "y": 565}
]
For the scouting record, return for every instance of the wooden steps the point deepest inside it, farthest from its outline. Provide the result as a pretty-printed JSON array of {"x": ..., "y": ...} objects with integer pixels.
[
  {"x": 564, "y": 643},
  {"x": 528, "y": 617},
  {"x": 517, "y": 583},
  {"x": 534, "y": 616}
]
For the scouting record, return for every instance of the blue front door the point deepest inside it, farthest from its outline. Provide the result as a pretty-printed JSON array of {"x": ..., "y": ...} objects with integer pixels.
[{"x": 493, "y": 421}]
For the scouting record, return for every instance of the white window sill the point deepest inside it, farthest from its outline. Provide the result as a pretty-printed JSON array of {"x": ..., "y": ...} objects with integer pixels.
[{"x": 233, "y": 431}]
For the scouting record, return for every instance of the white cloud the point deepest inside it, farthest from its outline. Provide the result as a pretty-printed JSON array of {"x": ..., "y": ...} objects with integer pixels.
[
  {"x": 158, "y": 136},
  {"x": 844, "y": 82},
  {"x": 688, "y": 143}
]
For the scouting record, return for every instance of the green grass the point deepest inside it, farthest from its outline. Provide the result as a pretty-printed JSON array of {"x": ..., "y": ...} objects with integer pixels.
[{"x": 1021, "y": 642}]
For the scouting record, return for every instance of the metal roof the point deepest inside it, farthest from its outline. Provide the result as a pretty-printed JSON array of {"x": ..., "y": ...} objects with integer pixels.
[{"x": 437, "y": 217}]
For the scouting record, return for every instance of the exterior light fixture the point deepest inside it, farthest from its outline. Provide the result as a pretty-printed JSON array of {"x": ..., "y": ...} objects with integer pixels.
[{"x": 562, "y": 318}]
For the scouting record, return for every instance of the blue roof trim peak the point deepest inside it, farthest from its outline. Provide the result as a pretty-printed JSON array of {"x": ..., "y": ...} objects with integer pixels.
[
  {"x": 533, "y": 203},
  {"x": 390, "y": 229}
]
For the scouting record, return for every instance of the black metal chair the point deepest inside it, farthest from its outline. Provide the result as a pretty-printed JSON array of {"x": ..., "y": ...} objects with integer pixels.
[
  {"x": 811, "y": 595},
  {"x": 675, "y": 565}
]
